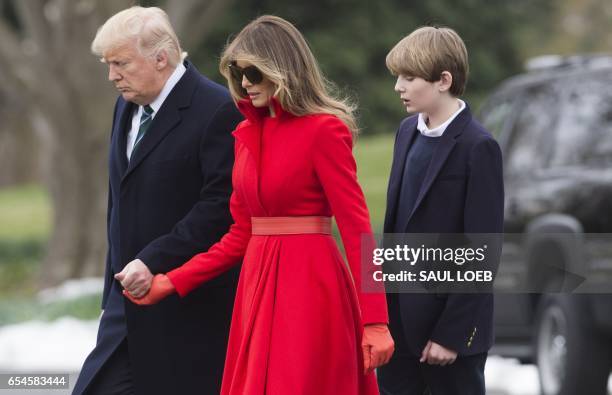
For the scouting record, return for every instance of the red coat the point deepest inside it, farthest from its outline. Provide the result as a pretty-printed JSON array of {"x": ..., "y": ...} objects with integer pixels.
[{"x": 298, "y": 317}]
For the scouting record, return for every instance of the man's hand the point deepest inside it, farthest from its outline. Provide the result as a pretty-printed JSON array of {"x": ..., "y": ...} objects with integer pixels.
[
  {"x": 377, "y": 346},
  {"x": 135, "y": 278},
  {"x": 436, "y": 354}
]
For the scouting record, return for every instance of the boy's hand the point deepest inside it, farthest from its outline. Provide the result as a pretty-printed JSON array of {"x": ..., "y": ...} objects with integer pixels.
[{"x": 436, "y": 354}]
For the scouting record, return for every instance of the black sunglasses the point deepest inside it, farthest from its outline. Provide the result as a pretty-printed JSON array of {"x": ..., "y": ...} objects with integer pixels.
[{"x": 252, "y": 73}]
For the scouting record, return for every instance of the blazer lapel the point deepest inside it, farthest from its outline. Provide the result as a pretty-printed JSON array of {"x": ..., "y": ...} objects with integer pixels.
[
  {"x": 405, "y": 138},
  {"x": 120, "y": 136},
  {"x": 165, "y": 121},
  {"x": 445, "y": 146}
]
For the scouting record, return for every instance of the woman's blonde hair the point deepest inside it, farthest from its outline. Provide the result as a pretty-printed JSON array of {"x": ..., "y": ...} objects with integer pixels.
[
  {"x": 149, "y": 27},
  {"x": 281, "y": 53}
]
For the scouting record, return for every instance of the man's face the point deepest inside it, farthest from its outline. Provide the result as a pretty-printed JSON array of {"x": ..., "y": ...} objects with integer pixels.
[{"x": 138, "y": 78}]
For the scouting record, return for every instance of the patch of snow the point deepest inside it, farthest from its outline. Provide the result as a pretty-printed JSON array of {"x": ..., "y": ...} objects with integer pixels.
[
  {"x": 507, "y": 376},
  {"x": 58, "y": 346},
  {"x": 72, "y": 289}
]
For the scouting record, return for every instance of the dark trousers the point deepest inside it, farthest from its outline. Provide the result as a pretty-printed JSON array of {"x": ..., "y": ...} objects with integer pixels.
[
  {"x": 405, "y": 375},
  {"x": 115, "y": 376}
]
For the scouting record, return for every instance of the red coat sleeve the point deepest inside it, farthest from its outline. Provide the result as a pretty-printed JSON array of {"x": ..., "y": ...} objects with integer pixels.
[
  {"x": 222, "y": 255},
  {"x": 337, "y": 171}
]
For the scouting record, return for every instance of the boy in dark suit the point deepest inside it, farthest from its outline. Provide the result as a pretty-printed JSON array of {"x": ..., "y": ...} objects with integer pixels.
[{"x": 446, "y": 177}]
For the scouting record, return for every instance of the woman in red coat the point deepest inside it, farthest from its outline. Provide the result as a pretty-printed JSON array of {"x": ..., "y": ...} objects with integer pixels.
[{"x": 301, "y": 323}]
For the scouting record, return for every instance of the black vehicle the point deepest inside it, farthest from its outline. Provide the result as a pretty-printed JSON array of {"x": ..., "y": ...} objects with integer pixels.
[{"x": 554, "y": 125}]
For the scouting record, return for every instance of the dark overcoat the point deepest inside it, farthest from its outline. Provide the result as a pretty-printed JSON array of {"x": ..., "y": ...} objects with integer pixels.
[{"x": 166, "y": 204}]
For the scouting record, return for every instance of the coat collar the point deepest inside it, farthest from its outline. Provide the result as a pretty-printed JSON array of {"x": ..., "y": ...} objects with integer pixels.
[
  {"x": 166, "y": 120},
  {"x": 249, "y": 134},
  {"x": 249, "y": 131},
  {"x": 120, "y": 133},
  {"x": 257, "y": 115}
]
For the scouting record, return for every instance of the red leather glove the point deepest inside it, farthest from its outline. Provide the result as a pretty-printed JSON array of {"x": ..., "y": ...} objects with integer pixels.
[
  {"x": 377, "y": 346},
  {"x": 161, "y": 287}
]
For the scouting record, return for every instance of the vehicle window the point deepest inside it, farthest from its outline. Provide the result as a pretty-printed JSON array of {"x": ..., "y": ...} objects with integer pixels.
[
  {"x": 496, "y": 114},
  {"x": 584, "y": 133},
  {"x": 532, "y": 133}
]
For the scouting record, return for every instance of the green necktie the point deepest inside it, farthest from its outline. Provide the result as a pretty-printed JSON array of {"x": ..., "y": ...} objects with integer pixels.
[{"x": 145, "y": 121}]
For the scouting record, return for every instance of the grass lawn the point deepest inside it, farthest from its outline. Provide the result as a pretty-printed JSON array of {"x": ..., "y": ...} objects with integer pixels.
[
  {"x": 25, "y": 214},
  {"x": 25, "y": 218},
  {"x": 25, "y": 221},
  {"x": 374, "y": 156}
]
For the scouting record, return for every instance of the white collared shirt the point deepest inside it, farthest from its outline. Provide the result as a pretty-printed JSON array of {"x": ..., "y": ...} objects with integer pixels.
[
  {"x": 437, "y": 131},
  {"x": 155, "y": 105}
]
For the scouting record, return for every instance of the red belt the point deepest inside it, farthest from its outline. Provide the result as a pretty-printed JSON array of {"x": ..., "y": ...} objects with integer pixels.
[{"x": 290, "y": 225}]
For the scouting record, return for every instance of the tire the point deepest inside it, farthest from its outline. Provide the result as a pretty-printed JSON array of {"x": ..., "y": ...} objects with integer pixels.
[{"x": 572, "y": 357}]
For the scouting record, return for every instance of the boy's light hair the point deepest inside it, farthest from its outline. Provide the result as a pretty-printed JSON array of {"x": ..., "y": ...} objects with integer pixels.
[
  {"x": 427, "y": 52},
  {"x": 148, "y": 27}
]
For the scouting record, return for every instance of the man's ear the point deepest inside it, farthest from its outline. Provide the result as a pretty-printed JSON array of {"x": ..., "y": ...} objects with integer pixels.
[
  {"x": 161, "y": 60},
  {"x": 445, "y": 82}
]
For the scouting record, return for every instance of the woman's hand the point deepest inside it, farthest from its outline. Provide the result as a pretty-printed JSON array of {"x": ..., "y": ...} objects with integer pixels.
[
  {"x": 161, "y": 287},
  {"x": 377, "y": 346}
]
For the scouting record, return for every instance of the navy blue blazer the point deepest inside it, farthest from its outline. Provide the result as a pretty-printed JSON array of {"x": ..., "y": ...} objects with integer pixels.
[
  {"x": 168, "y": 203},
  {"x": 462, "y": 193}
]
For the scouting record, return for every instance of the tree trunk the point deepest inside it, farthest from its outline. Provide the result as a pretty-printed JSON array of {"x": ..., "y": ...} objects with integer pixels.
[
  {"x": 18, "y": 152},
  {"x": 74, "y": 126}
]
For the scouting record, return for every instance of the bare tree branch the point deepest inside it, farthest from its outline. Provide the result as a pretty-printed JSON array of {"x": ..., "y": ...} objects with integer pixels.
[
  {"x": 8, "y": 81},
  {"x": 193, "y": 19},
  {"x": 15, "y": 64},
  {"x": 102, "y": 10},
  {"x": 9, "y": 44},
  {"x": 31, "y": 14},
  {"x": 110, "y": 7}
]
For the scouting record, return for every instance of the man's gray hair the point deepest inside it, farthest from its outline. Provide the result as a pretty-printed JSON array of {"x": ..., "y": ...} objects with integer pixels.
[{"x": 149, "y": 28}]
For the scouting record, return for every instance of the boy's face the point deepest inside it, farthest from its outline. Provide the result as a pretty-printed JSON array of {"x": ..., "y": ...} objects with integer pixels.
[{"x": 417, "y": 94}]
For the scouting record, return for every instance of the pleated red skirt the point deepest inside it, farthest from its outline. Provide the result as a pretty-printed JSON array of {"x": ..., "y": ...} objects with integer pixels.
[{"x": 296, "y": 326}]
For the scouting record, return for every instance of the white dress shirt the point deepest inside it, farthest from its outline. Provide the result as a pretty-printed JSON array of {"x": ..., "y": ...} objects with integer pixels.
[
  {"x": 155, "y": 105},
  {"x": 437, "y": 131}
]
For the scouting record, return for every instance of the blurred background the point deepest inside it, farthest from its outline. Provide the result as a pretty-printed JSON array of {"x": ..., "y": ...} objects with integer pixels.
[{"x": 55, "y": 118}]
